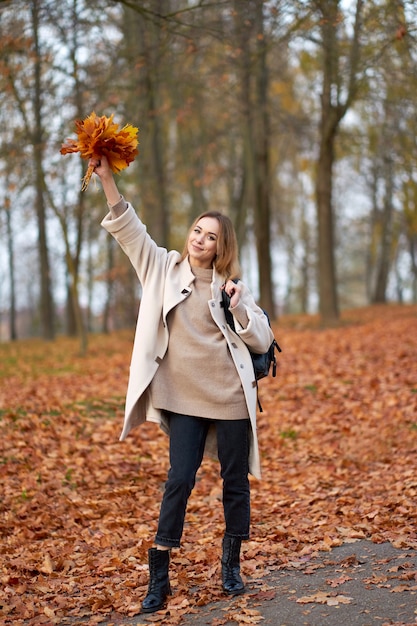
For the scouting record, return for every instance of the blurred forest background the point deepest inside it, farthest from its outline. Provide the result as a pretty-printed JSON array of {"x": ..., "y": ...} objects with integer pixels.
[{"x": 297, "y": 118}]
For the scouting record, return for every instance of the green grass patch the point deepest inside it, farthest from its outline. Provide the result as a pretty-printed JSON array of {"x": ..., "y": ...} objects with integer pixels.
[
  {"x": 290, "y": 433},
  {"x": 98, "y": 408}
]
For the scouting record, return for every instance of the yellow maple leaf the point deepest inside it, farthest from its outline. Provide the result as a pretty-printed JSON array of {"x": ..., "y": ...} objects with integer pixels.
[{"x": 100, "y": 136}]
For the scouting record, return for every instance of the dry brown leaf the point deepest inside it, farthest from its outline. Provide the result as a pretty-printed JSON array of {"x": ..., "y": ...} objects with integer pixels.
[
  {"x": 324, "y": 598},
  {"x": 335, "y": 582}
]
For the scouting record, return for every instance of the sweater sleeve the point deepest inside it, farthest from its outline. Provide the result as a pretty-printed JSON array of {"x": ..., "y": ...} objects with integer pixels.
[
  {"x": 116, "y": 210},
  {"x": 239, "y": 313}
]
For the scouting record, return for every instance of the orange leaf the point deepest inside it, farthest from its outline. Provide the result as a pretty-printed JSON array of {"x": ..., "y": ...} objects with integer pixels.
[{"x": 100, "y": 136}]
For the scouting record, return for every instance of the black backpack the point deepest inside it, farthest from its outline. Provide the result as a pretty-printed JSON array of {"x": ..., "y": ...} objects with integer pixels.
[{"x": 261, "y": 362}]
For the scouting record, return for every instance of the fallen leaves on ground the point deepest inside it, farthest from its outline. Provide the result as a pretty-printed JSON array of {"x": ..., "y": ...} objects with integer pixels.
[{"x": 78, "y": 510}]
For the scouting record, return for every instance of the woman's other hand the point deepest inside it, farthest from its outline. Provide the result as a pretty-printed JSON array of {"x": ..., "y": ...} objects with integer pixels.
[{"x": 233, "y": 290}]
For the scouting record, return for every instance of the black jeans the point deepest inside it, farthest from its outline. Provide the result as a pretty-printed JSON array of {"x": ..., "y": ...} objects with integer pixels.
[{"x": 187, "y": 439}]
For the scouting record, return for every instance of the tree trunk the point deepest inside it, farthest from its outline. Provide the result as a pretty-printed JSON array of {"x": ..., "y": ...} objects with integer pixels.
[
  {"x": 109, "y": 285},
  {"x": 329, "y": 309},
  {"x": 46, "y": 304},
  {"x": 328, "y": 300},
  {"x": 262, "y": 169},
  {"x": 305, "y": 266},
  {"x": 10, "y": 248},
  {"x": 332, "y": 112},
  {"x": 75, "y": 322},
  {"x": 384, "y": 256},
  {"x": 412, "y": 243},
  {"x": 257, "y": 122},
  {"x": 143, "y": 41}
]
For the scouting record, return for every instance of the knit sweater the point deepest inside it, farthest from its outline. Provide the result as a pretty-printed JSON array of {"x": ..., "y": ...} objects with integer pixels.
[{"x": 197, "y": 375}]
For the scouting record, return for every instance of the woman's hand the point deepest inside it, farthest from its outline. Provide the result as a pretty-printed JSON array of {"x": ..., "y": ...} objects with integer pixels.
[
  {"x": 102, "y": 169},
  {"x": 233, "y": 290}
]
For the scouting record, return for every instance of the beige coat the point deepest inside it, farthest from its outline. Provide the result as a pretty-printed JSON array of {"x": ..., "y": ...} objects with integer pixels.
[{"x": 166, "y": 281}]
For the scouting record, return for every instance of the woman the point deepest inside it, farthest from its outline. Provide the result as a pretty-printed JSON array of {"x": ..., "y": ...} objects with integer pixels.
[{"x": 192, "y": 374}]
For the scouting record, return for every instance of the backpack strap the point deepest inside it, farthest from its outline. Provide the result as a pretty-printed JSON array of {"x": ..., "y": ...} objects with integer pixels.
[{"x": 229, "y": 319}]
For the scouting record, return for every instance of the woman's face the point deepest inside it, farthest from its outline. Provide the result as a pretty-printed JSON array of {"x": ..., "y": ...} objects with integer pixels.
[{"x": 202, "y": 242}]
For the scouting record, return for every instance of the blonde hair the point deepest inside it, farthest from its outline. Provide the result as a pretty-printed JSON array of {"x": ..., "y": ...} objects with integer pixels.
[{"x": 226, "y": 261}]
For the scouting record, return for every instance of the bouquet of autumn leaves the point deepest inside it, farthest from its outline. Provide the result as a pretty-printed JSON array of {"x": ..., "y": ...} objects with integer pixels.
[{"x": 100, "y": 136}]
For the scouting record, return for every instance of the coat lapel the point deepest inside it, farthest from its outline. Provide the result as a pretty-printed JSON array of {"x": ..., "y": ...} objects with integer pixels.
[{"x": 178, "y": 287}]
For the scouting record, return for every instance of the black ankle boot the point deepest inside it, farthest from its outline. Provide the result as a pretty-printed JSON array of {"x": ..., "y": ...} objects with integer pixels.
[
  {"x": 159, "y": 587},
  {"x": 231, "y": 579}
]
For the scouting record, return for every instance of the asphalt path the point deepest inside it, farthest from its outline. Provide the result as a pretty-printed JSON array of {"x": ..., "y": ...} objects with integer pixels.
[{"x": 357, "y": 584}]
